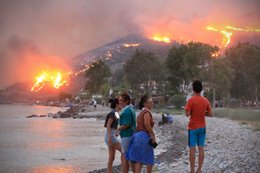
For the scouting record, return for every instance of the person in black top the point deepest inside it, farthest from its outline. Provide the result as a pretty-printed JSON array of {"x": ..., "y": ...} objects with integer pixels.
[{"x": 111, "y": 139}]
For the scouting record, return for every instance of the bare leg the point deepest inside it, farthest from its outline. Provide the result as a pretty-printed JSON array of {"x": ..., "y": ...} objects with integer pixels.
[
  {"x": 149, "y": 168},
  {"x": 117, "y": 146},
  {"x": 125, "y": 164},
  {"x": 133, "y": 166},
  {"x": 192, "y": 159},
  {"x": 201, "y": 159},
  {"x": 138, "y": 167},
  {"x": 111, "y": 158}
]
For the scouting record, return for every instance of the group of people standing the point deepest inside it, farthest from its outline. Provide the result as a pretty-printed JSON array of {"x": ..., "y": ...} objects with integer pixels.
[{"x": 137, "y": 135}]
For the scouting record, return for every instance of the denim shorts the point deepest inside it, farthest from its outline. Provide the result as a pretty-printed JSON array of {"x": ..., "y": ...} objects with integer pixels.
[
  {"x": 115, "y": 139},
  {"x": 125, "y": 143},
  {"x": 197, "y": 137}
]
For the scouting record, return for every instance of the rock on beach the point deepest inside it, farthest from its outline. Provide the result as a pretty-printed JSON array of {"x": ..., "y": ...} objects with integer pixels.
[{"x": 230, "y": 147}]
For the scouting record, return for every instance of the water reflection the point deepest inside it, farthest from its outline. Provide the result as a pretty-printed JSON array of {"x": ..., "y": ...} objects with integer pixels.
[
  {"x": 47, "y": 144},
  {"x": 48, "y": 134},
  {"x": 54, "y": 169}
]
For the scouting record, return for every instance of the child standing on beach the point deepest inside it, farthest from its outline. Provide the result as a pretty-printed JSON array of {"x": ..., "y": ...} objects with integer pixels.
[{"x": 197, "y": 108}]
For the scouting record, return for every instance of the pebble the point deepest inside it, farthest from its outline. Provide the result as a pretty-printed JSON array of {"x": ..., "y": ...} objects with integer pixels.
[{"x": 230, "y": 148}]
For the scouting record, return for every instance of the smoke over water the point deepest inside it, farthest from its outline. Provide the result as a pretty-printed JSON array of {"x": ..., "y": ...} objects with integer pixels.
[
  {"x": 41, "y": 34},
  {"x": 22, "y": 60}
]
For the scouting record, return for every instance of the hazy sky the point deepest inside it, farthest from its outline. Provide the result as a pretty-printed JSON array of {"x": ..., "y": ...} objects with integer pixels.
[{"x": 34, "y": 32}]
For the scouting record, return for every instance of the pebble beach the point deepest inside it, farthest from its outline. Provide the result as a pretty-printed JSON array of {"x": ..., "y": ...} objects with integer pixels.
[{"x": 231, "y": 147}]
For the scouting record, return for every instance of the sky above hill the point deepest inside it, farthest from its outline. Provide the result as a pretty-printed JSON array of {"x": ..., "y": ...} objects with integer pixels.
[{"x": 46, "y": 32}]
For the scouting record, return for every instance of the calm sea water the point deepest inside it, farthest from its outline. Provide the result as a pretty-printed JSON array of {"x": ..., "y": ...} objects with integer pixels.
[{"x": 49, "y": 145}]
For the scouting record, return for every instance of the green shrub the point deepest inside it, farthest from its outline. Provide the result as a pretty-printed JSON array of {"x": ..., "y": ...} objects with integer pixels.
[{"x": 178, "y": 101}]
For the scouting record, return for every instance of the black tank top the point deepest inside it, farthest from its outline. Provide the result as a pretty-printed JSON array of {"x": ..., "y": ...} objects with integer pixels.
[{"x": 112, "y": 115}]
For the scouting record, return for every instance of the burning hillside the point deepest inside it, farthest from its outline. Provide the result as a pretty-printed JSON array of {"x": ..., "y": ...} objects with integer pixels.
[
  {"x": 161, "y": 38},
  {"x": 117, "y": 52},
  {"x": 55, "y": 79},
  {"x": 221, "y": 36}
]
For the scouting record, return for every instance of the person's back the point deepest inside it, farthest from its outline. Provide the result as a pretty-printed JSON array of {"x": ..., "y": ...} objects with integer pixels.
[
  {"x": 140, "y": 121},
  {"x": 164, "y": 119},
  {"x": 198, "y": 106}
]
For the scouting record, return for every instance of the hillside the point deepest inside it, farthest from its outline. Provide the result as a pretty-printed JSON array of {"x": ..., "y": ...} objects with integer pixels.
[
  {"x": 115, "y": 55},
  {"x": 117, "y": 52}
]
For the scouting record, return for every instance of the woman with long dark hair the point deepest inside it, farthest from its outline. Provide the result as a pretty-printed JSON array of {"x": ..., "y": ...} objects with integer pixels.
[
  {"x": 111, "y": 140},
  {"x": 141, "y": 147}
]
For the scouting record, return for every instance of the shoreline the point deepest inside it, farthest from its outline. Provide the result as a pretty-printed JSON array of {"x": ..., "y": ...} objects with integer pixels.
[
  {"x": 168, "y": 148},
  {"x": 230, "y": 147}
]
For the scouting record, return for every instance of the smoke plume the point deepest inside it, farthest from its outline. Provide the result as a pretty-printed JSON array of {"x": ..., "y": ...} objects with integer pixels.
[{"x": 48, "y": 31}]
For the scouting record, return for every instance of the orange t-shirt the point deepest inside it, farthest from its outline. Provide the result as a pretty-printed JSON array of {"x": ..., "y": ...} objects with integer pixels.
[{"x": 198, "y": 106}]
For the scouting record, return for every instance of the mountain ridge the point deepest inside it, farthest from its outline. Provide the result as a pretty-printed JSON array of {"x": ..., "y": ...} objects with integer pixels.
[
  {"x": 118, "y": 51},
  {"x": 115, "y": 54}
]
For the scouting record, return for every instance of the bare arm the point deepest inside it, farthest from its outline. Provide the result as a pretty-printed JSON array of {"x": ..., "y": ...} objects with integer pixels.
[
  {"x": 188, "y": 113},
  {"x": 188, "y": 109},
  {"x": 147, "y": 120},
  {"x": 209, "y": 113},
  {"x": 123, "y": 127},
  {"x": 109, "y": 122}
]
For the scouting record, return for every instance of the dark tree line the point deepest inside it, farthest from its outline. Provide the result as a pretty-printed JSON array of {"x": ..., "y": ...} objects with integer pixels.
[{"x": 235, "y": 74}]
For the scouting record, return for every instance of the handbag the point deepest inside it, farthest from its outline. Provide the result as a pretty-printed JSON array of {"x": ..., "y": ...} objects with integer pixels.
[{"x": 153, "y": 144}]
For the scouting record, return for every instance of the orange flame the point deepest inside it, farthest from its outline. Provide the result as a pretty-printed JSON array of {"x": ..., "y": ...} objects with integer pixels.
[
  {"x": 161, "y": 39},
  {"x": 216, "y": 54},
  {"x": 227, "y": 35},
  {"x": 131, "y": 45},
  {"x": 55, "y": 79},
  {"x": 247, "y": 29}
]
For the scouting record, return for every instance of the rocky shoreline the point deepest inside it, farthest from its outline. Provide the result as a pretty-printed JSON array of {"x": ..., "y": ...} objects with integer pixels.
[
  {"x": 230, "y": 148},
  {"x": 78, "y": 112},
  {"x": 172, "y": 142}
]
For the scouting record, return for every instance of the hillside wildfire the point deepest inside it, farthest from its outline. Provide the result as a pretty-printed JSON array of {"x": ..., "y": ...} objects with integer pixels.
[{"x": 50, "y": 83}]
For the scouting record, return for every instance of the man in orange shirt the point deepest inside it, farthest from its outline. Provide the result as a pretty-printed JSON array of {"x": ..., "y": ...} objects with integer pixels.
[{"x": 197, "y": 108}]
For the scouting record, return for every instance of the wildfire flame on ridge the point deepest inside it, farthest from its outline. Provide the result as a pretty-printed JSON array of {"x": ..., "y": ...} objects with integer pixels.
[
  {"x": 55, "y": 79},
  {"x": 227, "y": 35},
  {"x": 226, "y": 32},
  {"x": 161, "y": 39},
  {"x": 131, "y": 45}
]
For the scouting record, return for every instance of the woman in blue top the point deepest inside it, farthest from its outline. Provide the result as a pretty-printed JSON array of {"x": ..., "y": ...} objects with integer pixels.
[{"x": 111, "y": 140}]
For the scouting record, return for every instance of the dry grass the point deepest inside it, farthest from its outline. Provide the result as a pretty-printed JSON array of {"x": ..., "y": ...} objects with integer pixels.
[{"x": 245, "y": 116}]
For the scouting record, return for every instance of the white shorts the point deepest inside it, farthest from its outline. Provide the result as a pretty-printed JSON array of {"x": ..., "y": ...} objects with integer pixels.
[
  {"x": 125, "y": 143},
  {"x": 115, "y": 139}
]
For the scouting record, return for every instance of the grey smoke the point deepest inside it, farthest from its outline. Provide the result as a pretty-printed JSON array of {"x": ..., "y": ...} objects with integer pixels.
[{"x": 65, "y": 28}]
